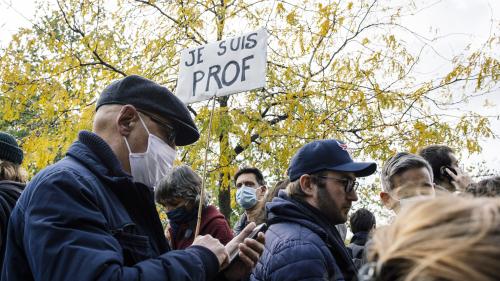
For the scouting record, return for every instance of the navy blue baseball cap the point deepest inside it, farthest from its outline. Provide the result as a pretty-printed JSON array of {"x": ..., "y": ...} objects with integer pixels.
[
  {"x": 327, "y": 155},
  {"x": 151, "y": 97}
]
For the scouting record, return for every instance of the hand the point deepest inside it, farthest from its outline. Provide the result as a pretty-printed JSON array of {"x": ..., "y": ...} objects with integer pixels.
[
  {"x": 460, "y": 180},
  {"x": 250, "y": 252},
  {"x": 213, "y": 245}
]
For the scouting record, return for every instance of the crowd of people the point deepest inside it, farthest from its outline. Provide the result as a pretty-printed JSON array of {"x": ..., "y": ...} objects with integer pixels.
[{"x": 92, "y": 215}]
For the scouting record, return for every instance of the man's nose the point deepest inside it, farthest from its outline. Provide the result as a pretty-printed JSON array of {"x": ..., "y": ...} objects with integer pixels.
[{"x": 352, "y": 196}]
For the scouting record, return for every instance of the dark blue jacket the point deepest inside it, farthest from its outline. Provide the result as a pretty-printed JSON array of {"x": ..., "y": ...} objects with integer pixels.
[
  {"x": 84, "y": 219},
  {"x": 240, "y": 224},
  {"x": 301, "y": 245}
]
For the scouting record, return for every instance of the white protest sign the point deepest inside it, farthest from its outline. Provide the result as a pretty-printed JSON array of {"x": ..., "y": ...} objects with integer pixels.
[{"x": 222, "y": 68}]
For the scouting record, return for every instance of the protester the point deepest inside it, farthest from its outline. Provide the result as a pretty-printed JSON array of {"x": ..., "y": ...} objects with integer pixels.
[
  {"x": 179, "y": 192},
  {"x": 250, "y": 192},
  {"x": 444, "y": 163},
  {"x": 273, "y": 192},
  {"x": 404, "y": 176},
  {"x": 489, "y": 187},
  {"x": 362, "y": 222},
  {"x": 302, "y": 242},
  {"x": 261, "y": 216},
  {"x": 12, "y": 181},
  {"x": 92, "y": 216},
  {"x": 448, "y": 238}
]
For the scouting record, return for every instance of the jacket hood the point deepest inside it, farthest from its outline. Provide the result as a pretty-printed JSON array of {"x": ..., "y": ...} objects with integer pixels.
[{"x": 285, "y": 209}]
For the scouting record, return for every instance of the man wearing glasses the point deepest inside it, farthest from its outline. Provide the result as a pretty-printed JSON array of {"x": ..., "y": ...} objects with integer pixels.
[
  {"x": 302, "y": 240},
  {"x": 92, "y": 216}
]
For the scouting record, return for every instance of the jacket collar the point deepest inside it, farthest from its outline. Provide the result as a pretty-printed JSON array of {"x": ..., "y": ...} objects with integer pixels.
[
  {"x": 97, "y": 156},
  {"x": 360, "y": 238}
]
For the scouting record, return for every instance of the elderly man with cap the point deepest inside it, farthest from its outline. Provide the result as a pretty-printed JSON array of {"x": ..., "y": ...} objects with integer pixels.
[
  {"x": 302, "y": 242},
  {"x": 12, "y": 181},
  {"x": 91, "y": 216}
]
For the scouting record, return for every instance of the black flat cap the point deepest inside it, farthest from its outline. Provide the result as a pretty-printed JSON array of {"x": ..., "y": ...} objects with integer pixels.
[{"x": 149, "y": 96}]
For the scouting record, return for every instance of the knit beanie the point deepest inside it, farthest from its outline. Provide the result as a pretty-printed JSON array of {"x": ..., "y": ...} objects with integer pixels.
[{"x": 9, "y": 150}]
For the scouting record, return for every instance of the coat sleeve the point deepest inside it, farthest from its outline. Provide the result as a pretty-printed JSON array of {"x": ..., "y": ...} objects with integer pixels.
[
  {"x": 66, "y": 238},
  {"x": 295, "y": 260}
]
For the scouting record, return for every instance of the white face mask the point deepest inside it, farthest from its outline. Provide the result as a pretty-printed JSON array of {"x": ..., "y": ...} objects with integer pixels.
[{"x": 151, "y": 166}]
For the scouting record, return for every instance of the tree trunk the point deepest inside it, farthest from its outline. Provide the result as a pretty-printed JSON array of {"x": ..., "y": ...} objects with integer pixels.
[
  {"x": 225, "y": 197},
  {"x": 225, "y": 156}
]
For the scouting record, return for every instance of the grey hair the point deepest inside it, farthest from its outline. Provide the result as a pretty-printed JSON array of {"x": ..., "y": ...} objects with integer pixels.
[
  {"x": 400, "y": 163},
  {"x": 180, "y": 182}
]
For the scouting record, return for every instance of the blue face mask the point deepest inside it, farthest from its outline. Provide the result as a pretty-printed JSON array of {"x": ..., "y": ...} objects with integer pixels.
[
  {"x": 246, "y": 197},
  {"x": 181, "y": 215}
]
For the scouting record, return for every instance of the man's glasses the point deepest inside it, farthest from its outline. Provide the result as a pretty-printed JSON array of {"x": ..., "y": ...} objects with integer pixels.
[
  {"x": 349, "y": 184},
  {"x": 168, "y": 130}
]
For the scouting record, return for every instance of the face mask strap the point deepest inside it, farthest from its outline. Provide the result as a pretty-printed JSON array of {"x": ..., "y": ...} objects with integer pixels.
[
  {"x": 128, "y": 146},
  {"x": 145, "y": 127},
  {"x": 144, "y": 124}
]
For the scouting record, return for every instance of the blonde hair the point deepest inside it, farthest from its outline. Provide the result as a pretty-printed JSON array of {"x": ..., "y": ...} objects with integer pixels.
[
  {"x": 12, "y": 172},
  {"x": 446, "y": 238}
]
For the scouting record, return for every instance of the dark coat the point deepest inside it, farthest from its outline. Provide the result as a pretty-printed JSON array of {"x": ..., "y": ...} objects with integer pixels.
[
  {"x": 213, "y": 222},
  {"x": 357, "y": 248},
  {"x": 9, "y": 193},
  {"x": 84, "y": 219},
  {"x": 301, "y": 245},
  {"x": 360, "y": 238},
  {"x": 240, "y": 224}
]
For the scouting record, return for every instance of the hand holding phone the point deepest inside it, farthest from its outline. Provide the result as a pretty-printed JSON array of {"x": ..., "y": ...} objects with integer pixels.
[
  {"x": 243, "y": 254},
  {"x": 459, "y": 179},
  {"x": 446, "y": 175},
  {"x": 253, "y": 235}
]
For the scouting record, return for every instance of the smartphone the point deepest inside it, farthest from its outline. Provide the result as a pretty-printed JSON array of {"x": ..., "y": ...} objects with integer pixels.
[
  {"x": 445, "y": 174},
  {"x": 253, "y": 235}
]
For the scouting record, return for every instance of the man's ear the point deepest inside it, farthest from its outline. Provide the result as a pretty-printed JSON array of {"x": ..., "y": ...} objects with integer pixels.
[
  {"x": 386, "y": 200},
  {"x": 261, "y": 192},
  {"x": 305, "y": 185},
  {"x": 126, "y": 119}
]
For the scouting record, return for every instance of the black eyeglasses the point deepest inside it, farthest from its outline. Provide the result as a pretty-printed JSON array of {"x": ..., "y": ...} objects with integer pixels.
[
  {"x": 349, "y": 184},
  {"x": 168, "y": 130}
]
